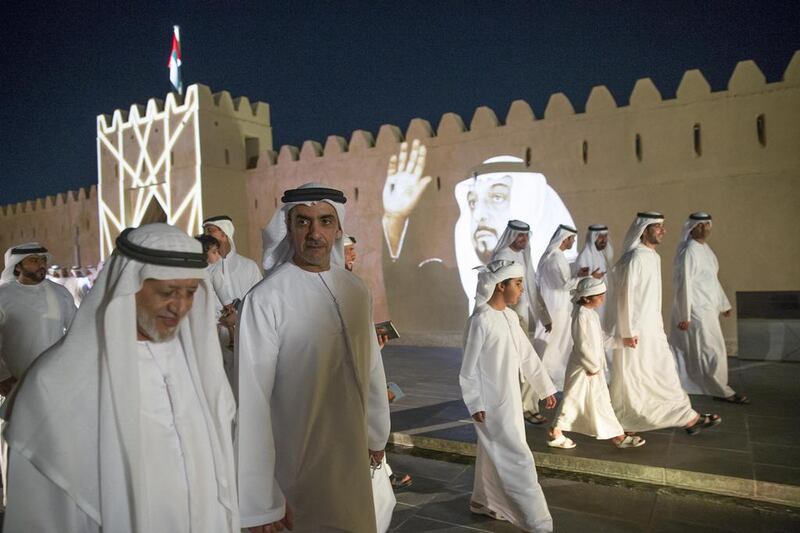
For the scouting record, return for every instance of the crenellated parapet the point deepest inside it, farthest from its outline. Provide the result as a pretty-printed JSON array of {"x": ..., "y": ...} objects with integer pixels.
[
  {"x": 220, "y": 103},
  {"x": 746, "y": 79},
  {"x": 48, "y": 204}
]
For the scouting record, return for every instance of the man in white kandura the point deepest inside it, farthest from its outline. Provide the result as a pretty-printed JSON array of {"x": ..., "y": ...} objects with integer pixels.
[
  {"x": 495, "y": 351},
  {"x": 698, "y": 300},
  {"x": 313, "y": 408},
  {"x": 125, "y": 425},
  {"x": 514, "y": 245},
  {"x": 645, "y": 389},
  {"x": 34, "y": 313},
  {"x": 598, "y": 255},
  {"x": 555, "y": 283},
  {"x": 238, "y": 274}
]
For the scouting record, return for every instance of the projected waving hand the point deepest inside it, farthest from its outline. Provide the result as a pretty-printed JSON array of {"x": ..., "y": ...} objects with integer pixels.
[{"x": 401, "y": 193}]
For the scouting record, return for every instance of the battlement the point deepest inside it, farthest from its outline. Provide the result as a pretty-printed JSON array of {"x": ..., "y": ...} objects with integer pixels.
[
  {"x": 745, "y": 79},
  {"x": 220, "y": 103},
  {"x": 47, "y": 203}
]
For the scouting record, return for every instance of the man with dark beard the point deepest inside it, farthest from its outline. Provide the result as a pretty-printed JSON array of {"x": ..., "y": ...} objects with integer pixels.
[
  {"x": 34, "y": 311},
  {"x": 34, "y": 314}
]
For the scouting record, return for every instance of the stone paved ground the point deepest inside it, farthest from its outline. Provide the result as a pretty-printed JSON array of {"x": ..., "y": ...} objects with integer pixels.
[
  {"x": 755, "y": 443},
  {"x": 438, "y": 499}
]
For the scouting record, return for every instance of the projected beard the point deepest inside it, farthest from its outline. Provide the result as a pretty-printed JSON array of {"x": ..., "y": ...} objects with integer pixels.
[{"x": 489, "y": 201}]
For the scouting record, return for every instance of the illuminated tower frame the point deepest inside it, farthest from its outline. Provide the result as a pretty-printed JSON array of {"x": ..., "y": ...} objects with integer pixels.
[{"x": 166, "y": 161}]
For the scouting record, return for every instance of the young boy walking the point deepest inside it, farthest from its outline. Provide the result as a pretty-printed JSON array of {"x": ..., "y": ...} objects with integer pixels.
[
  {"x": 586, "y": 407},
  {"x": 496, "y": 350}
]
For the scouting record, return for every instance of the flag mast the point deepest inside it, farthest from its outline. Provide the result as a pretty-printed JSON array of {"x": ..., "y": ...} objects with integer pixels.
[{"x": 174, "y": 63}]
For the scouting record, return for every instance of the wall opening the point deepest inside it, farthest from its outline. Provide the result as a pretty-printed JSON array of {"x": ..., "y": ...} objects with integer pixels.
[
  {"x": 251, "y": 145},
  {"x": 356, "y": 193},
  {"x": 637, "y": 146},
  {"x": 255, "y": 204},
  {"x": 585, "y": 152},
  {"x": 154, "y": 213},
  {"x": 528, "y": 157},
  {"x": 698, "y": 147},
  {"x": 761, "y": 130},
  {"x": 227, "y": 157},
  {"x": 438, "y": 183}
]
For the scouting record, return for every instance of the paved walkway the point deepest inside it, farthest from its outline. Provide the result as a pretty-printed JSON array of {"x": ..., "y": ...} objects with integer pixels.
[
  {"x": 439, "y": 496},
  {"x": 754, "y": 453}
]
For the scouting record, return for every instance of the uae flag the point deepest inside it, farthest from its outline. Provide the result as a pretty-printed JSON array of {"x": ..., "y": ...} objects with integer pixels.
[{"x": 174, "y": 64}]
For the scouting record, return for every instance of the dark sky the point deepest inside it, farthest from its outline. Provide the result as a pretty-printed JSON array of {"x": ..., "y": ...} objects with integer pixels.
[{"x": 333, "y": 67}]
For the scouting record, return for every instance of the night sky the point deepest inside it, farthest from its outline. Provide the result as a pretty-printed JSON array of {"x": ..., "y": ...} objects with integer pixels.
[{"x": 333, "y": 67}]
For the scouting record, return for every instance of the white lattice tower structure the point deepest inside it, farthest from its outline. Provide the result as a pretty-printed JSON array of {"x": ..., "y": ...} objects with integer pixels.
[{"x": 177, "y": 161}]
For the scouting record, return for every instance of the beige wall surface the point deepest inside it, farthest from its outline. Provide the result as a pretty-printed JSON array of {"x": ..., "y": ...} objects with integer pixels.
[
  {"x": 734, "y": 153},
  {"x": 749, "y": 183}
]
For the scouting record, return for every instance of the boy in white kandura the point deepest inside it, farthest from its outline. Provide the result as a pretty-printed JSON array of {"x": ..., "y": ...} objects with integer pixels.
[
  {"x": 586, "y": 407},
  {"x": 496, "y": 350}
]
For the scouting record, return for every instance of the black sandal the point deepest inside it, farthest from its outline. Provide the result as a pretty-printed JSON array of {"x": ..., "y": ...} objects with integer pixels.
[
  {"x": 706, "y": 420},
  {"x": 737, "y": 398},
  {"x": 534, "y": 418}
]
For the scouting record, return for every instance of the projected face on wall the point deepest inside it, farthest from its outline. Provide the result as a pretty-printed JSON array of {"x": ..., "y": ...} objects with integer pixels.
[
  {"x": 500, "y": 189},
  {"x": 489, "y": 201}
]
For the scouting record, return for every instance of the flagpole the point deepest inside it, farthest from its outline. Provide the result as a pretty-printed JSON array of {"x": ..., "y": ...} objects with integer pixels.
[{"x": 174, "y": 64}]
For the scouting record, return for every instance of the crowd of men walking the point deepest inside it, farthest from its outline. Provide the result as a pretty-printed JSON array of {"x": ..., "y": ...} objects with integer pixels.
[{"x": 188, "y": 392}]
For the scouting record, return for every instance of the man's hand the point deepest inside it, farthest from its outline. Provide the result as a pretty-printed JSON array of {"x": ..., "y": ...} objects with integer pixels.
[
  {"x": 583, "y": 272},
  {"x": 598, "y": 274},
  {"x": 630, "y": 342},
  {"x": 401, "y": 192},
  {"x": 286, "y": 523},
  {"x": 548, "y": 328},
  {"x": 375, "y": 457},
  {"x": 479, "y": 417},
  {"x": 228, "y": 316},
  {"x": 382, "y": 340},
  {"x": 683, "y": 325},
  {"x": 726, "y": 314},
  {"x": 550, "y": 402},
  {"x": 6, "y": 385}
]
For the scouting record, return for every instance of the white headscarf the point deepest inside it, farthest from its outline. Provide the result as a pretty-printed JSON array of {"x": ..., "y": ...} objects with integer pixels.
[
  {"x": 634, "y": 235},
  {"x": 562, "y": 232},
  {"x": 275, "y": 236},
  {"x": 348, "y": 240},
  {"x": 225, "y": 224},
  {"x": 74, "y": 415},
  {"x": 492, "y": 274},
  {"x": 513, "y": 230},
  {"x": 588, "y": 287},
  {"x": 16, "y": 254},
  {"x": 531, "y": 199},
  {"x": 694, "y": 220},
  {"x": 590, "y": 249}
]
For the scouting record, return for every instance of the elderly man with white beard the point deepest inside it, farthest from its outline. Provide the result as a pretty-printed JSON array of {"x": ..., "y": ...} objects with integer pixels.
[
  {"x": 125, "y": 425},
  {"x": 698, "y": 302},
  {"x": 645, "y": 389},
  {"x": 313, "y": 408}
]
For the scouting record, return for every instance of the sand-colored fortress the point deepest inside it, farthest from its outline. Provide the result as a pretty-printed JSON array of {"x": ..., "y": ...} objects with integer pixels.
[{"x": 734, "y": 153}]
